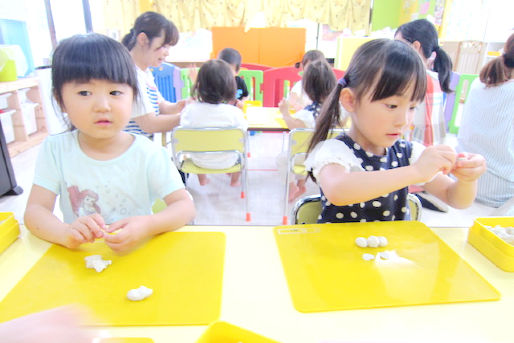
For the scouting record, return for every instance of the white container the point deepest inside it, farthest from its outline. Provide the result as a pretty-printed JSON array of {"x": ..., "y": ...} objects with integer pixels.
[
  {"x": 6, "y": 118},
  {"x": 29, "y": 117}
]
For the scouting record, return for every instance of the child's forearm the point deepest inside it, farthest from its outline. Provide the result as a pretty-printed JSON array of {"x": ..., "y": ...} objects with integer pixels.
[
  {"x": 45, "y": 225},
  {"x": 173, "y": 217},
  {"x": 161, "y": 123},
  {"x": 293, "y": 123},
  {"x": 461, "y": 194},
  {"x": 343, "y": 188}
]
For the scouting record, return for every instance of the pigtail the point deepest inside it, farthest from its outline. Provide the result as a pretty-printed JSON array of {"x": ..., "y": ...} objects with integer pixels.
[
  {"x": 328, "y": 118},
  {"x": 443, "y": 67}
]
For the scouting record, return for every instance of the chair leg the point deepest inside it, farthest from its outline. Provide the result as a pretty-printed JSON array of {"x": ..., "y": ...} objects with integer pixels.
[
  {"x": 285, "y": 217},
  {"x": 244, "y": 184}
]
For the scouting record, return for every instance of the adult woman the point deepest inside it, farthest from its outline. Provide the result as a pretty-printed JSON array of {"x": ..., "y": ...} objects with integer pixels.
[
  {"x": 149, "y": 42},
  {"x": 428, "y": 126},
  {"x": 487, "y": 128}
]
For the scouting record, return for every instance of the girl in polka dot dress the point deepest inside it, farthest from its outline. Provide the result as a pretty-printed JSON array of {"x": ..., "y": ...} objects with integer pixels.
[{"x": 364, "y": 174}]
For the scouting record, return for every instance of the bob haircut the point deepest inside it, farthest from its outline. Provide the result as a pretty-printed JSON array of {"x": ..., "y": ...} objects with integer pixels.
[
  {"x": 318, "y": 80},
  {"x": 231, "y": 56},
  {"x": 215, "y": 83},
  {"x": 82, "y": 58}
]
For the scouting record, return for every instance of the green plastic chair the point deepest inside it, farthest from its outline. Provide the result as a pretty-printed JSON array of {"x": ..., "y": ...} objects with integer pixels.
[
  {"x": 252, "y": 77},
  {"x": 188, "y": 83},
  {"x": 461, "y": 93}
]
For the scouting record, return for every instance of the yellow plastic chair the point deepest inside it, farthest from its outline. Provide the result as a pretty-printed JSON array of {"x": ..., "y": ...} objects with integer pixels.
[
  {"x": 212, "y": 141},
  {"x": 299, "y": 140},
  {"x": 308, "y": 209}
]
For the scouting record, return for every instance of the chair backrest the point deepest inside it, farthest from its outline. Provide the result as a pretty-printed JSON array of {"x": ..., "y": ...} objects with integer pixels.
[
  {"x": 307, "y": 209},
  {"x": 273, "y": 84},
  {"x": 299, "y": 139},
  {"x": 208, "y": 139},
  {"x": 164, "y": 77},
  {"x": 461, "y": 94},
  {"x": 255, "y": 66},
  {"x": 253, "y": 80}
]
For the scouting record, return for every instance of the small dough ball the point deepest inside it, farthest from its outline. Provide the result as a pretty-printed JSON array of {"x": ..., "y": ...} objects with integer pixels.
[
  {"x": 361, "y": 242},
  {"x": 140, "y": 293},
  {"x": 368, "y": 257},
  {"x": 382, "y": 241},
  {"x": 373, "y": 241}
]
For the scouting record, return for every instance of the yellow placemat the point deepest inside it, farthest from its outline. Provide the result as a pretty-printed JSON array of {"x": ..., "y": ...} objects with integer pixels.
[
  {"x": 184, "y": 269},
  {"x": 325, "y": 270}
]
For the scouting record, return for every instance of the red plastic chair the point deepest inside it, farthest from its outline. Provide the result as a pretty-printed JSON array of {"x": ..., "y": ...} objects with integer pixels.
[
  {"x": 273, "y": 84},
  {"x": 255, "y": 66}
]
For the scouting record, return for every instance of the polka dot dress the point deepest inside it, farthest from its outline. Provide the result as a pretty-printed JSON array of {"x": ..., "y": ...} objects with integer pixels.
[{"x": 392, "y": 206}]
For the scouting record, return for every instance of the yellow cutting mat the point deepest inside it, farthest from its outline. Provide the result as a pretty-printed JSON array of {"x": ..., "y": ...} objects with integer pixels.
[
  {"x": 325, "y": 270},
  {"x": 184, "y": 269}
]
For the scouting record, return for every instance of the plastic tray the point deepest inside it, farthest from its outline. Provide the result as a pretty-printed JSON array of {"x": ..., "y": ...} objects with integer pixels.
[
  {"x": 489, "y": 244},
  {"x": 9, "y": 229},
  {"x": 220, "y": 331}
]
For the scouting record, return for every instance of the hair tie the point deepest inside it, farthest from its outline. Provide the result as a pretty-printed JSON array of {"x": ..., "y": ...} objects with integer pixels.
[
  {"x": 342, "y": 82},
  {"x": 509, "y": 61}
]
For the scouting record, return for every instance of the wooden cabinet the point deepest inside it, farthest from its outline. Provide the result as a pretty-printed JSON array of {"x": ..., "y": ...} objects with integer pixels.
[{"x": 22, "y": 139}]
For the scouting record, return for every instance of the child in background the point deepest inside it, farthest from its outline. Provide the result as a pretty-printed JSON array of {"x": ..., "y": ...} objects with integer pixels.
[
  {"x": 106, "y": 179},
  {"x": 214, "y": 89},
  {"x": 363, "y": 174},
  {"x": 233, "y": 58},
  {"x": 318, "y": 81},
  {"x": 298, "y": 99}
]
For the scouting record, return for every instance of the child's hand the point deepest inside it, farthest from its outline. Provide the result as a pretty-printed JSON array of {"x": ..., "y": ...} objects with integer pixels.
[
  {"x": 434, "y": 159},
  {"x": 283, "y": 106},
  {"x": 469, "y": 167},
  {"x": 85, "y": 229},
  {"x": 130, "y": 232},
  {"x": 239, "y": 104},
  {"x": 180, "y": 105}
]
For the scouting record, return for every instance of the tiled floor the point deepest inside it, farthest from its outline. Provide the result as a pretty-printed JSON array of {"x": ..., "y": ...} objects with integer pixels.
[{"x": 219, "y": 204}]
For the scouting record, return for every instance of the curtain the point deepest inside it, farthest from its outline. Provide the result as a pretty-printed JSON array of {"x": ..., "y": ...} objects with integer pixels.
[{"x": 190, "y": 15}]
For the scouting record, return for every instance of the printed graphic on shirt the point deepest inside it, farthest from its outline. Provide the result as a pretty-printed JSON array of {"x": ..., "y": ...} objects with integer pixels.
[{"x": 83, "y": 203}]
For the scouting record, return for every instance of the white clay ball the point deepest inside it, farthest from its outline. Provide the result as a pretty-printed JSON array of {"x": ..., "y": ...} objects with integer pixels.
[
  {"x": 140, "y": 293},
  {"x": 361, "y": 242},
  {"x": 382, "y": 241},
  {"x": 368, "y": 257},
  {"x": 373, "y": 241}
]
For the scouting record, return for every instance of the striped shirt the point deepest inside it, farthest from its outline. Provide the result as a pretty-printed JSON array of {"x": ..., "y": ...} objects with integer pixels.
[
  {"x": 146, "y": 102},
  {"x": 487, "y": 128}
]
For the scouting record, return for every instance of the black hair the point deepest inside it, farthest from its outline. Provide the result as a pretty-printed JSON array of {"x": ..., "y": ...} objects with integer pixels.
[
  {"x": 81, "y": 58},
  {"x": 153, "y": 25},
  {"x": 215, "y": 83},
  {"x": 381, "y": 68},
  {"x": 318, "y": 80},
  {"x": 499, "y": 70},
  {"x": 312, "y": 55},
  {"x": 424, "y": 32},
  {"x": 231, "y": 56}
]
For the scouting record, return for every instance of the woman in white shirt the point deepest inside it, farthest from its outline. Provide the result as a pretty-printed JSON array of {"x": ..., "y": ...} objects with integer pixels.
[{"x": 487, "y": 128}]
